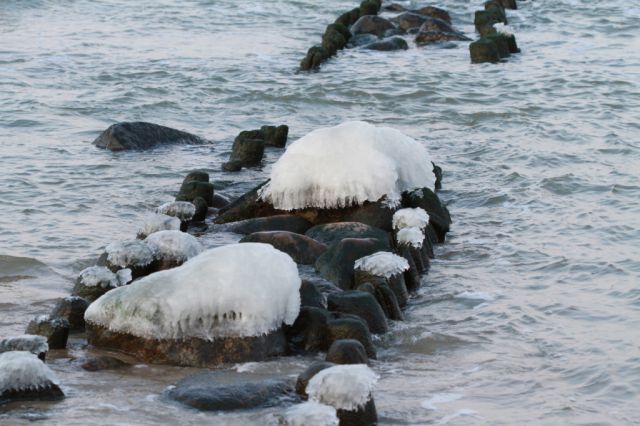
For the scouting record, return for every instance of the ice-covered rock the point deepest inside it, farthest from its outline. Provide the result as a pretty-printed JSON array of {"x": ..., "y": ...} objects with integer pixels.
[
  {"x": 236, "y": 290},
  {"x": 344, "y": 387},
  {"x": 347, "y": 165},
  {"x": 158, "y": 222},
  {"x": 129, "y": 253},
  {"x": 35, "y": 344},
  {"x": 310, "y": 413},
  {"x": 95, "y": 281},
  {"x": 413, "y": 237},
  {"x": 410, "y": 218},
  {"x": 382, "y": 264},
  {"x": 502, "y": 28},
  {"x": 56, "y": 330},
  {"x": 24, "y": 376},
  {"x": 174, "y": 246},
  {"x": 182, "y": 210}
]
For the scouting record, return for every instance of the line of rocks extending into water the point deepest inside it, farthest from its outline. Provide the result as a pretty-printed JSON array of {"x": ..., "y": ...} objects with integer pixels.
[{"x": 496, "y": 42}]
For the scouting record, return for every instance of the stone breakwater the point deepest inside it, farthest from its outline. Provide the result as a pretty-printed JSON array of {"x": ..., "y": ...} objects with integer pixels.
[
  {"x": 367, "y": 259},
  {"x": 496, "y": 41}
]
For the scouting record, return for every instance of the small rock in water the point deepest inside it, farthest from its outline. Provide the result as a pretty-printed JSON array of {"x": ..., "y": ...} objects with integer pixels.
[
  {"x": 351, "y": 328},
  {"x": 56, "y": 330},
  {"x": 388, "y": 45},
  {"x": 72, "y": 309},
  {"x": 33, "y": 343},
  {"x": 347, "y": 351},
  {"x": 100, "y": 363},
  {"x": 25, "y": 377},
  {"x": 211, "y": 391},
  {"x": 141, "y": 135},
  {"x": 371, "y": 24}
]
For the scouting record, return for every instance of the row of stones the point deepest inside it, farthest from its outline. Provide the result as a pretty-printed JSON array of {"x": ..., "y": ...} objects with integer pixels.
[{"x": 493, "y": 45}]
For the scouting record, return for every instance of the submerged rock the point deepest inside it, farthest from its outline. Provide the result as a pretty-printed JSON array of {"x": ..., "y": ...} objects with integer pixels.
[
  {"x": 388, "y": 45},
  {"x": 100, "y": 363},
  {"x": 213, "y": 391},
  {"x": 141, "y": 135},
  {"x": 302, "y": 249}
]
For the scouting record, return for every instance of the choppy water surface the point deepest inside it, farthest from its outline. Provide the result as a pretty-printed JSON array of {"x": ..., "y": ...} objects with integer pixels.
[{"x": 531, "y": 312}]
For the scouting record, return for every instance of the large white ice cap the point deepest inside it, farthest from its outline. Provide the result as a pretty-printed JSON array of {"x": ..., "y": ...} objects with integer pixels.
[
  {"x": 21, "y": 370},
  {"x": 347, "y": 165},
  {"x": 344, "y": 387}
]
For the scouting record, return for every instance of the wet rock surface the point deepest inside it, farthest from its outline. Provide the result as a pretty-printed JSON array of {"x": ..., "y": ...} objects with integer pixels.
[
  {"x": 302, "y": 249},
  {"x": 140, "y": 135},
  {"x": 362, "y": 304}
]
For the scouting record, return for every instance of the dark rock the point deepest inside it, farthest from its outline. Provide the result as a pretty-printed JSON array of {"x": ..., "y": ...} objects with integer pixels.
[
  {"x": 190, "y": 352},
  {"x": 362, "y": 40},
  {"x": 509, "y": 4},
  {"x": 388, "y": 45},
  {"x": 411, "y": 276},
  {"x": 219, "y": 201},
  {"x": 248, "y": 206},
  {"x": 495, "y": 7},
  {"x": 485, "y": 19},
  {"x": 214, "y": 391},
  {"x": 56, "y": 330},
  {"x": 384, "y": 296},
  {"x": 365, "y": 416},
  {"x": 91, "y": 293},
  {"x": 309, "y": 333},
  {"x": 426, "y": 199},
  {"x": 201, "y": 210},
  {"x": 395, "y": 283},
  {"x": 247, "y": 150},
  {"x": 437, "y": 171},
  {"x": 371, "y": 24},
  {"x": 369, "y": 7},
  {"x": 100, "y": 363},
  {"x": 395, "y": 7},
  {"x": 336, "y": 264},
  {"x": 484, "y": 50},
  {"x": 501, "y": 43},
  {"x": 333, "y": 39},
  {"x": 434, "y": 12},
  {"x": 315, "y": 56},
  {"x": 351, "y": 328},
  {"x": 288, "y": 223},
  {"x": 232, "y": 166},
  {"x": 196, "y": 176},
  {"x": 408, "y": 20},
  {"x": 141, "y": 135},
  {"x": 349, "y": 18},
  {"x": 72, "y": 309},
  {"x": 430, "y": 37},
  {"x": 436, "y": 25},
  {"x": 347, "y": 351},
  {"x": 275, "y": 135},
  {"x": 307, "y": 375},
  {"x": 311, "y": 296},
  {"x": 46, "y": 392},
  {"x": 302, "y": 249},
  {"x": 333, "y": 232},
  {"x": 196, "y": 184},
  {"x": 362, "y": 304}
]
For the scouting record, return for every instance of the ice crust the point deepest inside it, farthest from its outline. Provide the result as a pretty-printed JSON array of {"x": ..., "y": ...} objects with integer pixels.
[
  {"x": 159, "y": 222},
  {"x": 26, "y": 342},
  {"x": 410, "y": 218},
  {"x": 236, "y": 290},
  {"x": 382, "y": 264},
  {"x": 347, "y": 165},
  {"x": 21, "y": 370},
  {"x": 174, "y": 245},
  {"x": 410, "y": 236},
  {"x": 344, "y": 387},
  {"x": 129, "y": 253},
  {"x": 311, "y": 413},
  {"x": 183, "y": 210},
  {"x": 101, "y": 276}
]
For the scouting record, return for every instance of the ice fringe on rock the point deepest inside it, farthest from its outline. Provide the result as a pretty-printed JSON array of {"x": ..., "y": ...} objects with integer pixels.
[
  {"x": 174, "y": 245},
  {"x": 310, "y": 413},
  {"x": 382, "y": 264},
  {"x": 21, "y": 370},
  {"x": 124, "y": 276},
  {"x": 129, "y": 253},
  {"x": 235, "y": 290},
  {"x": 501, "y": 28},
  {"x": 347, "y": 165},
  {"x": 344, "y": 387},
  {"x": 26, "y": 342},
  {"x": 410, "y": 236},
  {"x": 183, "y": 210},
  {"x": 158, "y": 222},
  {"x": 410, "y": 218},
  {"x": 98, "y": 276}
]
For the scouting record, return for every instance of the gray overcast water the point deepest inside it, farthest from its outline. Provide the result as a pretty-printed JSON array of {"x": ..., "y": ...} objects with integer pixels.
[{"x": 531, "y": 311}]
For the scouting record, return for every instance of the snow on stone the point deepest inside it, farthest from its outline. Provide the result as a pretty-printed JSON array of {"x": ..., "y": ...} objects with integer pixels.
[
  {"x": 310, "y": 413},
  {"x": 21, "y": 370},
  {"x": 98, "y": 276},
  {"x": 124, "y": 276},
  {"x": 410, "y": 236},
  {"x": 26, "y": 342},
  {"x": 129, "y": 253},
  {"x": 174, "y": 245},
  {"x": 158, "y": 222},
  {"x": 183, "y": 210},
  {"x": 382, "y": 264},
  {"x": 501, "y": 28},
  {"x": 410, "y": 218},
  {"x": 244, "y": 289},
  {"x": 344, "y": 387},
  {"x": 347, "y": 165}
]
